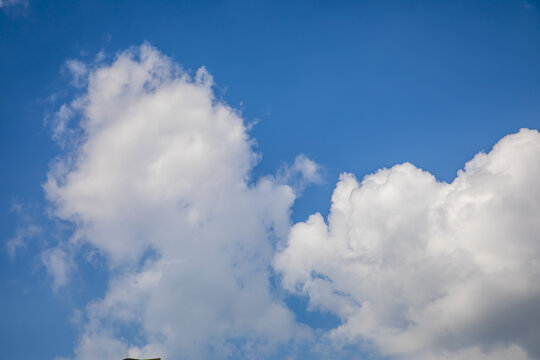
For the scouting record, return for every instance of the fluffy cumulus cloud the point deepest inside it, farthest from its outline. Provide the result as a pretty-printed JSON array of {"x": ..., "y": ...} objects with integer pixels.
[
  {"x": 423, "y": 269},
  {"x": 155, "y": 178}
]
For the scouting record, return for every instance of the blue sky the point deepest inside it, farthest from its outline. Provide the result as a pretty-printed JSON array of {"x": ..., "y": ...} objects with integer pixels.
[{"x": 353, "y": 86}]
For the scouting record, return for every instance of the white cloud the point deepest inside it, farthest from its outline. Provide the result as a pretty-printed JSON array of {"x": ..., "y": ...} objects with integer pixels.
[
  {"x": 60, "y": 123},
  {"x": 59, "y": 264},
  {"x": 302, "y": 172},
  {"x": 158, "y": 182},
  {"x": 78, "y": 71},
  {"x": 425, "y": 269},
  {"x": 23, "y": 233}
]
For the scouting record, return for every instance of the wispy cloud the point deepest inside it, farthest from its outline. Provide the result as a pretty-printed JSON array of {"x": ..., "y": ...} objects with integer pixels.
[
  {"x": 302, "y": 172},
  {"x": 59, "y": 264},
  {"x": 27, "y": 229},
  {"x": 78, "y": 71},
  {"x": 6, "y": 4}
]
